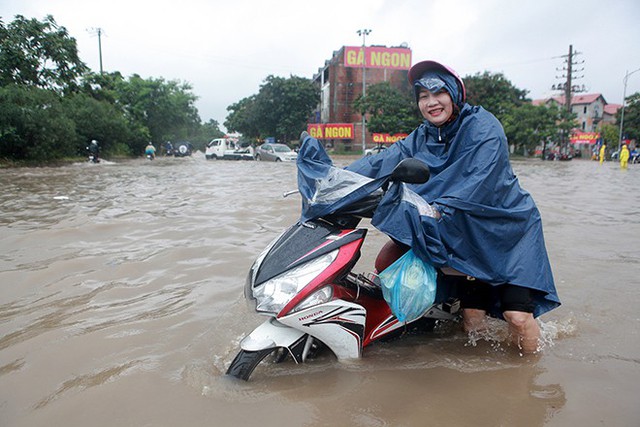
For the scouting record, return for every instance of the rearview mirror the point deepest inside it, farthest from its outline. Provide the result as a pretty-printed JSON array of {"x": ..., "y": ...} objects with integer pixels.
[{"x": 411, "y": 171}]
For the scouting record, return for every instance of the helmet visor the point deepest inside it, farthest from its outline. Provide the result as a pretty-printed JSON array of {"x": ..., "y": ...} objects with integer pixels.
[{"x": 432, "y": 84}]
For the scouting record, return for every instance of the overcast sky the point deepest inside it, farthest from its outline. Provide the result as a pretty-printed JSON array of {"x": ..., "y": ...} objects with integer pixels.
[{"x": 226, "y": 48}]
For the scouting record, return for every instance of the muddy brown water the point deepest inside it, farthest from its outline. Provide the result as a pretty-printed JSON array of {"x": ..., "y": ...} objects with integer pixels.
[{"x": 121, "y": 305}]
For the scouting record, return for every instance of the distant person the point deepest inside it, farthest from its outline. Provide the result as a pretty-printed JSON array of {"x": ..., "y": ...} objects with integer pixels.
[
  {"x": 94, "y": 151},
  {"x": 603, "y": 151},
  {"x": 168, "y": 149},
  {"x": 624, "y": 156},
  {"x": 150, "y": 151}
]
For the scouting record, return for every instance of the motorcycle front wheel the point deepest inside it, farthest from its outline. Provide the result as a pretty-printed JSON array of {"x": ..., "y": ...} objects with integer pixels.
[{"x": 246, "y": 361}]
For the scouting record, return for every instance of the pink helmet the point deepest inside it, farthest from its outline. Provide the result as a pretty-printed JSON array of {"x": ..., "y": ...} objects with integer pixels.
[{"x": 419, "y": 69}]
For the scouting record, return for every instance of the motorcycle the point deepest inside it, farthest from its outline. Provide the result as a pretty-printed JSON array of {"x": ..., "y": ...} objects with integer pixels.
[
  {"x": 93, "y": 158},
  {"x": 303, "y": 281},
  {"x": 93, "y": 151}
]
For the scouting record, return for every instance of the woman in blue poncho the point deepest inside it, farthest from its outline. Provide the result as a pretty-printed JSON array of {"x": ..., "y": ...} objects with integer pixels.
[{"x": 486, "y": 236}]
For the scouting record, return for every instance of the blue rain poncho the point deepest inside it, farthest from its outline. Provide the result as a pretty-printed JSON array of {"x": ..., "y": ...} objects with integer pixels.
[{"x": 490, "y": 228}]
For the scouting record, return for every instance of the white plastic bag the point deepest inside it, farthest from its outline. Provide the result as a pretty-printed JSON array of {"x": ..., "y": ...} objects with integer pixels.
[{"x": 409, "y": 286}]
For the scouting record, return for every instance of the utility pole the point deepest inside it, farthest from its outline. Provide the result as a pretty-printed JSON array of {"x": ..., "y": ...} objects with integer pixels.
[
  {"x": 568, "y": 87},
  {"x": 364, "y": 33},
  {"x": 98, "y": 31}
]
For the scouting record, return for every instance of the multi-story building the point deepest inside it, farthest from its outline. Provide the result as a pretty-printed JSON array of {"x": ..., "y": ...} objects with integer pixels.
[
  {"x": 592, "y": 110},
  {"x": 341, "y": 83}
]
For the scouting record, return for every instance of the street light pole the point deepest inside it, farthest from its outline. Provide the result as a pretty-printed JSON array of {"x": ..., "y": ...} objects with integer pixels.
[
  {"x": 624, "y": 96},
  {"x": 364, "y": 33}
]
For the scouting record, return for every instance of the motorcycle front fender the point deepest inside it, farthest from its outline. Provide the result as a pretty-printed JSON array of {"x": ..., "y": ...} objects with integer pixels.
[
  {"x": 339, "y": 324},
  {"x": 271, "y": 334}
]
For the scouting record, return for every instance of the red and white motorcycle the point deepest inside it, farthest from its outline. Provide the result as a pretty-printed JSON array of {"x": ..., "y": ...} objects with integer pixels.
[{"x": 304, "y": 282}]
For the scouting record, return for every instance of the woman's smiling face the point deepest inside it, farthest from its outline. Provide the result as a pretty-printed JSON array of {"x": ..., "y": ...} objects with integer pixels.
[{"x": 437, "y": 107}]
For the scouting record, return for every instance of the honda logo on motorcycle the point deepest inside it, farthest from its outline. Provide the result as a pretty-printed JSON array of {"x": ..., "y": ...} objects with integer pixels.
[{"x": 309, "y": 316}]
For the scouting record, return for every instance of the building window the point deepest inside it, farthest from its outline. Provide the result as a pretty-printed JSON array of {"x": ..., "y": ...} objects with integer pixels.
[
  {"x": 584, "y": 126},
  {"x": 584, "y": 111}
]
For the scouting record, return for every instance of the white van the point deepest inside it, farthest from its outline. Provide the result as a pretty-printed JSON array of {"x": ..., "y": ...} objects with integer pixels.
[{"x": 227, "y": 149}]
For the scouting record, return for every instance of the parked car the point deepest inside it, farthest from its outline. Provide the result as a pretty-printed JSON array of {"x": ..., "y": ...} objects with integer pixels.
[
  {"x": 275, "y": 153},
  {"x": 227, "y": 149},
  {"x": 375, "y": 150}
]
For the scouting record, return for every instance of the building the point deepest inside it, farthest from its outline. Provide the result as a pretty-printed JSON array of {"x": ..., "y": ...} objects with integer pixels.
[
  {"x": 610, "y": 111},
  {"x": 591, "y": 110},
  {"x": 336, "y": 121}
]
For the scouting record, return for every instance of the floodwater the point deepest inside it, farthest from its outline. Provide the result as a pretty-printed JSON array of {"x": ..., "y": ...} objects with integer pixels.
[{"x": 121, "y": 305}]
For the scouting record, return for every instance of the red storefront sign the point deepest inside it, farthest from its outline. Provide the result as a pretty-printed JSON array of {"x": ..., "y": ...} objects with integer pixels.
[
  {"x": 331, "y": 130},
  {"x": 584, "y": 137},
  {"x": 377, "y": 57},
  {"x": 385, "y": 138}
]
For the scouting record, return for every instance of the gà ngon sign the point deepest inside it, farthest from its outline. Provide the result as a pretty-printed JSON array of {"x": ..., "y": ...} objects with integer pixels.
[
  {"x": 331, "y": 130},
  {"x": 377, "y": 57}
]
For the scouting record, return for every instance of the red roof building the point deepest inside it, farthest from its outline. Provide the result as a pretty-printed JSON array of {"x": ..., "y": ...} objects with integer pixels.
[{"x": 591, "y": 110}]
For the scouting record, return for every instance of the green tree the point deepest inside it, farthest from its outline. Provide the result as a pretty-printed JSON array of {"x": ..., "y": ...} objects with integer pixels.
[
  {"x": 41, "y": 54},
  {"x": 243, "y": 118},
  {"x": 103, "y": 87},
  {"x": 281, "y": 108},
  {"x": 566, "y": 123},
  {"x": 104, "y": 122},
  {"x": 631, "y": 125},
  {"x": 160, "y": 110},
  {"x": 610, "y": 134},
  {"x": 34, "y": 125},
  {"x": 528, "y": 127},
  {"x": 52, "y": 107},
  {"x": 494, "y": 92},
  {"x": 390, "y": 110}
]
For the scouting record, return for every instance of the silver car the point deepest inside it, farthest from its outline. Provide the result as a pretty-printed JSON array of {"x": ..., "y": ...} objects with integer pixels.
[{"x": 275, "y": 153}]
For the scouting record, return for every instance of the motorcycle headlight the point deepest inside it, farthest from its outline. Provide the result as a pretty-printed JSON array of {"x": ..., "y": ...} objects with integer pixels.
[
  {"x": 273, "y": 295},
  {"x": 251, "y": 277},
  {"x": 320, "y": 296}
]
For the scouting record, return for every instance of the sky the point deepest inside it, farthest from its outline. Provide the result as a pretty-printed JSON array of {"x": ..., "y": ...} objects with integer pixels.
[{"x": 226, "y": 49}]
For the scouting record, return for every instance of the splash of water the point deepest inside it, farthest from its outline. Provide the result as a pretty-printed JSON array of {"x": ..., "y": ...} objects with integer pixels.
[{"x": 497, "y": 334}]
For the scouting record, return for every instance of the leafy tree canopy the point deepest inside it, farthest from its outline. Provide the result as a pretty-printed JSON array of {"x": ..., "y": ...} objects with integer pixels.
[
  {"x": 390, "y": 110},
  {"x": 529, "y": 126},
  {"x": 281, "y": 109},
  {"x": 494, "y": 92},
  {"x": 610, "y": 134},
  {"x": 242, "y": 116},
  {"x": 161, "y": 110},
  {"x": 39, "y": 53},
  {"x": 51, "y": 106},
  {"x": 33, "y": 124},
  {"x": 631, "y": 124}
]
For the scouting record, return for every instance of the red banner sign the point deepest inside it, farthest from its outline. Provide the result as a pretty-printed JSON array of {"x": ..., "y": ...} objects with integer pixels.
[
  {"x": 584, "y": 137},
  {"x": 377, "y": 57},
  {"x": 385, "y": 138},
  {"x": 331, "y": 130}
]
